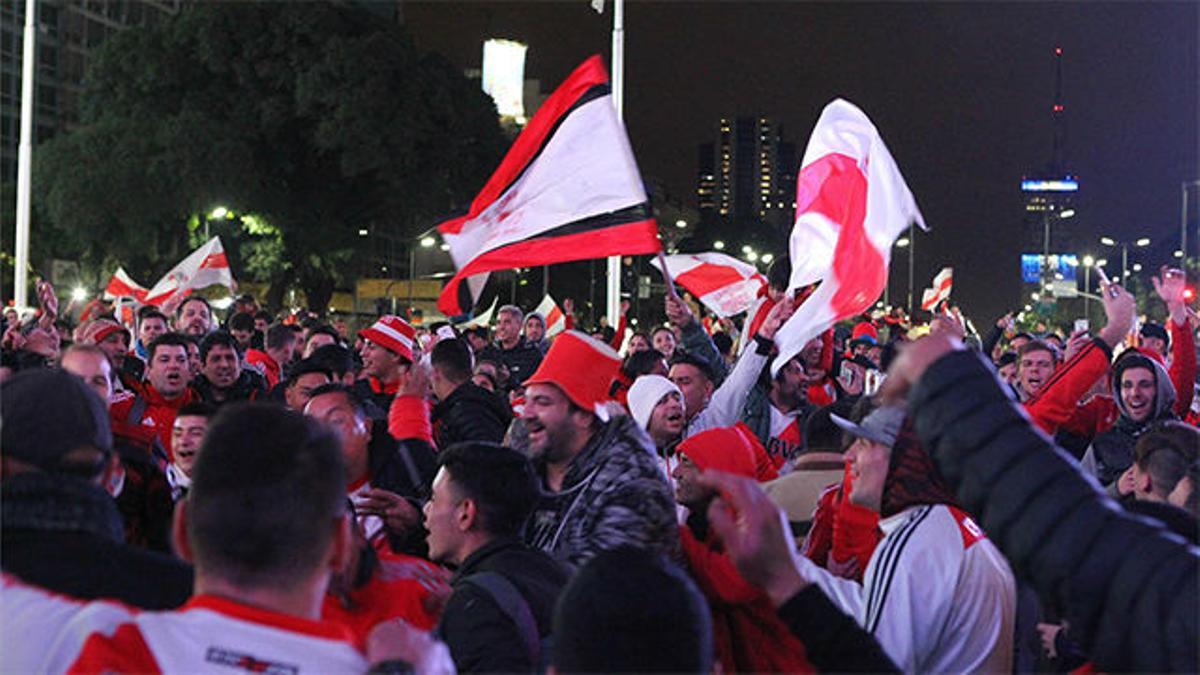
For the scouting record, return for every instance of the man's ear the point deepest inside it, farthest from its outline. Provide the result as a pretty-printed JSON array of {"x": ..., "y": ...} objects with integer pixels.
[
  {"x": 1142, "y": 482},
  {"x": 179, "y": 532},
  {"x": 468, "y": 515}
]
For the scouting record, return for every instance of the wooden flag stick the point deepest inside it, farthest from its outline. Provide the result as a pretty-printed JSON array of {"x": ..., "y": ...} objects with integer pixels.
[{"x": 662, "y": 264}]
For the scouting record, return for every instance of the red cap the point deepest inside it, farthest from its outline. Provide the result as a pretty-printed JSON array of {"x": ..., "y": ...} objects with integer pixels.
[
  {"x": 582, "y": 367},
  {"x": 865, "y": 329},
  {"x": 392, "y": 333},
  {"x": 97, "y": 330}
]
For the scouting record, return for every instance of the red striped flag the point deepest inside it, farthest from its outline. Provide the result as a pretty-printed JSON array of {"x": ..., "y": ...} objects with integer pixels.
[
  {"x": 723, "y": 283},
  {"x": 940, "y": 292},
  {"x": 206, "y": 266},
  {"x": 851, "y": 204},
  {"x": 568, "y": 189},
  {"x": 122, "y": 286},
  {"x": 556, "y": 321}
]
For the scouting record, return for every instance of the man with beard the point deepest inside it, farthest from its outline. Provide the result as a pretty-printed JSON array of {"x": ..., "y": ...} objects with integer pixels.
[
  {"x": 776, "y": 412},
  {"x": 601, "y": 485},
  {"x": 194, "y": 317},
  {"x": 223, "y": 380}
]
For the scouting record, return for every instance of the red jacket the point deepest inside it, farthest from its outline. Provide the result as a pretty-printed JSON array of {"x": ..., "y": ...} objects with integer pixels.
[
  {"x": 153, "y": 413},
  {"x": 399, "y": 588},
  {"x": 263, "y": 363},
  {"x": 843, "y": 534},
  {"x": 748, "y": 635}
]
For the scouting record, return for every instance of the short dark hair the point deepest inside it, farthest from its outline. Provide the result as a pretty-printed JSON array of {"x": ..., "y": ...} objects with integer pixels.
[
  {"x": 1035, "y": 345},
  {"x": 279, "y": 335},
  {"x": 453, "y": 358},
  {"x": 262, "y": 314},
  {"x": 197, "y": 409},
  {"x": 722, "y": 342},
  {"x": 702, "y": 364},
  {"x": 336, "y": 359},
  {"x": 241, "y": 321},
  {"x": 631, "y": 610},
  {"x": 217, "y": 338},
  {"x": 268, "y": 488},
  {"x": 779, "y": 274},
  {"x": 641, "y": 363},
  {"x": 820, "y": 432},
  {"x": 167, "y": 340},
  {"x": 1165, "y": 451},
  {"x": 324, "y": 329},
  {"x": 193, "y": 298},
  {"x": 355, "y": 400},
  {"x": 151, "y": 312},
  {"x": 304, "y": 367},
  {"x": 660, "y": 329},
  {"x": 500, "y": 481}
]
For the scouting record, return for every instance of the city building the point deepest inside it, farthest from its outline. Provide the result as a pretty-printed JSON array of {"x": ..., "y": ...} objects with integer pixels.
[
  {"x": 68, "y": 33},
  {"x": 1050, "y": 193},
  {"x": 746, "y": 182}
]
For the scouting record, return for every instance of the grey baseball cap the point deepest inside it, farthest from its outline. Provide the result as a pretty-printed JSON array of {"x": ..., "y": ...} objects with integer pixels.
[{"x": 881, "y": 426}]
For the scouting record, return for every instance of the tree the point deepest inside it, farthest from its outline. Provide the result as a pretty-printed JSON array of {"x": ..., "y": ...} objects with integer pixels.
[{"x": 317, "y": 118}]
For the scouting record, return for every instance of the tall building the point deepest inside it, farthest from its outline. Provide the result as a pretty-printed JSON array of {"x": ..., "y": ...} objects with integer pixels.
[
  {"x": 1050, "y": 193},
  {"x": 68, "y": 32},
  {"x": 746, "y": 180}
]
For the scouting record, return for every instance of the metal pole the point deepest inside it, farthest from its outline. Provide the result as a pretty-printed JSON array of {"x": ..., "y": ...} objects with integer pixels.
[
  {"x": 25, "y": 162},
  {"x": 545, "y": 280},
  {"x": 1125, "y": 265},
  {"x": 912, "y": 247},
  {"x": 1087, "y": 289},
  {"x": 618, "y": 94},
  {"x": 1045, "y": 251},
  {"x": 1183, "y": 229}
]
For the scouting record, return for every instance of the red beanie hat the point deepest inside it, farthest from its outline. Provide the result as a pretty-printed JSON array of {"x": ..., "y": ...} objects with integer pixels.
[{"x": 724, "y": 449}]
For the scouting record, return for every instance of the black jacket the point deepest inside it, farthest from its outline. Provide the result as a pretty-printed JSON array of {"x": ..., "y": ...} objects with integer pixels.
[
  {"x": 65, "y": 535},
  {"x": 521, "y": 360},
  {"x": 833, "y": 642},
  {"x": 1128, "y": 587},
  {"x": 407, "y": 468},
  {"x": 470, "y": 413},
  {"x": 480, "y": 635}
]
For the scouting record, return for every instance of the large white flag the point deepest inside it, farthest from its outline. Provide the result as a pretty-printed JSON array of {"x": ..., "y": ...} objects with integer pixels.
[
  {"x": 851, "y": 204},
  {"x": 723, "y": 283},
  {"x": 483, "y": 319},
  {"x": 568, "y": 189},
  {"x": 206, "y": 266},
  {"x": 123, "y": 286}
]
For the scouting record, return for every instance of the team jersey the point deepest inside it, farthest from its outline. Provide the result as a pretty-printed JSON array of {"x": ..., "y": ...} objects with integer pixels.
[
  {"x": 936, "y": 594},
  {"x": 210, "y": 634}
]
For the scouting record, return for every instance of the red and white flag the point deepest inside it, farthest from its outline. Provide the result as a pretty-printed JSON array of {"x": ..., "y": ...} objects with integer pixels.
[
  {"x": 940, "y": 292},
  {"x": 723, "y": 283},
  {"x": 568, "y": 189},
  {"x": 851, "y": 204},
  {"x": 122, "y": 286},
  {"x": 206, "y": 266},
  {"x": 556, "y": 321}
]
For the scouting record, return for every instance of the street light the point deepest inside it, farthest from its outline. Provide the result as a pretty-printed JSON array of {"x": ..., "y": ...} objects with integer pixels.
[
  {"x": 1124, "y": 245},
  {"x": 752, "y": 256},
  {"x": 719, "y": 245},
  {"x": 1088, "y": 262},
  {"x": 1061, "y": 216},
  {"x": 902, "y": 242},
  {"x": 767, "y": 258},
  {"x": 79, "y": 294},
  {"x": 426, "y": 242},
  {"x": 681, "y": 223}
]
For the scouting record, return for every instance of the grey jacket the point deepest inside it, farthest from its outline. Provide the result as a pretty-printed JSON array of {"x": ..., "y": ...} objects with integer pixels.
[{"x": 614, "y": 494}]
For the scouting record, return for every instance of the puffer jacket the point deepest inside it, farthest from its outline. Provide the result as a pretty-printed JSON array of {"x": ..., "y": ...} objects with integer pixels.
[
  {"x": 1129, "y": 588},
  {"x": 614, "y": 494},
  {"x": 470, "y": 413}
]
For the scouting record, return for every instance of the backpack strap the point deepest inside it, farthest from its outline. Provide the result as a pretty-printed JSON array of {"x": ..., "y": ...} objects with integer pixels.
[
  {"x": 513, "y": 604},
  {"x": 136, "y": 411}
]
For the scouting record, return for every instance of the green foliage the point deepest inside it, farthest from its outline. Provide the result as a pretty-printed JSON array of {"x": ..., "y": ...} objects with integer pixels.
[{"x": 316, "y": 118}]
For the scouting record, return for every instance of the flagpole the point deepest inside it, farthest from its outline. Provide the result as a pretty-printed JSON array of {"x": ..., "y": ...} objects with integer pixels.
[
  {"x": 24, "y": 163},
  {"x": 618, "y": 95}
]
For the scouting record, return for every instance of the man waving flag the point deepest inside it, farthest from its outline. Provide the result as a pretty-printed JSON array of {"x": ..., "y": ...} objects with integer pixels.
[
  {"x": 851, "y": 204},
  {"x": 568, "y": 189},
  {"x": 725, "y": 285}
]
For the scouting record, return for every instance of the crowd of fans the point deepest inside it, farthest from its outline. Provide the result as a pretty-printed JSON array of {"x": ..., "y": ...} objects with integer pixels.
[{"x": 184, "y": 494}]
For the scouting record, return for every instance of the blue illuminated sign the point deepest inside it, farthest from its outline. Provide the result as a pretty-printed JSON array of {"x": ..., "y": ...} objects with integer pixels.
[
  {"x": 1066, "y": 184},
  {"x": 1065, "y": 264}
]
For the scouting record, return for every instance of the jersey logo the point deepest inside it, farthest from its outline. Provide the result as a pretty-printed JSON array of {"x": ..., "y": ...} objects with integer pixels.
[
  {"x": 970, "y": 532},
  {"x": 248, "y": 663}
]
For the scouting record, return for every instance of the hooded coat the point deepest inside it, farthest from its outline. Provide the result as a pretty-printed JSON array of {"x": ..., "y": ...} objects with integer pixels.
[{"x": 1111, "y": 452}]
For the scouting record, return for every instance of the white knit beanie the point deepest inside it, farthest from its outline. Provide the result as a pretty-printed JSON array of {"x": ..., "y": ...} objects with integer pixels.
[{"x": 646, "y": 393}]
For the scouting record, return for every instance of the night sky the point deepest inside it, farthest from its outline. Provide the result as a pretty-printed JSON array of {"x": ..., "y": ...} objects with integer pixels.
[{"x": 960, "y": 92}]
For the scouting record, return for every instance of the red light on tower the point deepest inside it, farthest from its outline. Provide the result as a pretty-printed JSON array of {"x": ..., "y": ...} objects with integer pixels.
[{"x": 1058, "y": 51}]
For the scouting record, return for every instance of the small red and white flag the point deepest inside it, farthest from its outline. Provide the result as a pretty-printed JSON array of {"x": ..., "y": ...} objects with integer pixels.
[
  {"x": 723, "y": 283},
  {"x": 568, "y": 189},
  {"x": 940, "y": 292},
  {"x": 206, "y": 266},
  {"x": 556, "y": 321},
  {"x": 851, "y": 204},
  {"x": 122, "y": 286}
]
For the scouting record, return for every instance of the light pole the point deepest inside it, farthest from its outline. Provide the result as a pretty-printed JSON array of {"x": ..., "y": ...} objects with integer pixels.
[
  {"x": 907, "y": 242},
  {"x": 1124, "y": 246},
  {"x": 1047, "y": 274},
  {"x": 1088, "y": 261}
]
